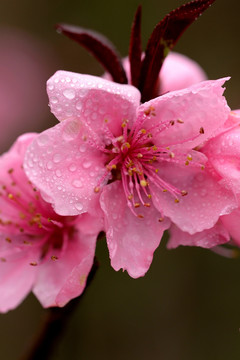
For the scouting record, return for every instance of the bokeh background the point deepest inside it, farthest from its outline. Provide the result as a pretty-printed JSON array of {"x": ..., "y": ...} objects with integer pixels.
[{"x": 187, "y": 306}]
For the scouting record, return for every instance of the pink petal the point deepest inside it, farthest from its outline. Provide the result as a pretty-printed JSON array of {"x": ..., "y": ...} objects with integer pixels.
[
  {"x": 201, "y": 207},
  {"x": 65, "y": 168},
  {"x": 209, "y": 238},
  {"x": 64, "y": 279},
  {"x": 91, "y": 99},
  {"x": 17, "y": 275},
  {"x": 131, "y": 241},
  {"x": 223, "y": 152},
  {"x": 201, "y": 107},
  {"x": 179, "y": 72},
  {"x": 231, "y": 223}
]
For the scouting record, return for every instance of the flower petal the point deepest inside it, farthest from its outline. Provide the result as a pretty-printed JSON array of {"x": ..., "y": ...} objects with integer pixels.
[
  {"x": 92, "y": 99},
  {"x": 65, "y": 168},
  {"x": 209, "y": 238},
  {"x": 178, "y": 72},
  {"x": 201, "y": 207},
  {"x": 131, "y": 241},
  {"x": 231, "y": 223},
  {"x": 17, "y": 275},
  {"x": 201, "y": 109},
  {"x": 65, "y": 278}
]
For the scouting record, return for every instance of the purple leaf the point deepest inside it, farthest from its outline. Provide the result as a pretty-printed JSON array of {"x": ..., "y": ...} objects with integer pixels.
[
  {"x": 135, "y": 48},
  {"x": 163, "y": 38},
  {"x": 100, "y": 47}
]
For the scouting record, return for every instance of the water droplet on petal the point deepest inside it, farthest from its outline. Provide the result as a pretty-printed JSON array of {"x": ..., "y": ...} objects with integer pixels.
[
  {"x": 72, "y": 167},
  {"x": 42, "y": 139},
  {"x": 79, "y": 105},
  {"x": 54, "y": 100},
  {"x": 69, "y": 93},
  {"x": 57, "y": 158},
  {"x": 82, "y": 148},
  {"x": 49, "y": 165},
  {"x": 77, "y": 183},
  {"x": 58, "y": 173},
  {"x": 87, "y": 164},
  {"x": 79, "y": 206}
]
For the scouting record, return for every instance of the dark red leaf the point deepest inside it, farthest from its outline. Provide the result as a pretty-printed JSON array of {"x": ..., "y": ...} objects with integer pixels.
[
  {"x": 100, "y": 47},
  {"x": 135, "y": 48},
  {"x": 163, "y": 38}
]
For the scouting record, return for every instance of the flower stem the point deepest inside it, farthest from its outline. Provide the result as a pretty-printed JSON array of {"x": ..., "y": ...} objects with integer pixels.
[{"x": 54, "y": 324}]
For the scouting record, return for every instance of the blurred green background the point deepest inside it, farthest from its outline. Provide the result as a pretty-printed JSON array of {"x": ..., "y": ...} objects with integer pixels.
[{"x": 187, "y": 306}]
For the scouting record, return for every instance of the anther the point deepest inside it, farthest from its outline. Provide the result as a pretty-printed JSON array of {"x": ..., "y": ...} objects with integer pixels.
[
  {"x": 137, "y": 205},
  {"x": 171, "y": 155},
  {"x": 54, "y": 258},
  {"x": 149, "y": 196},
  {"x": 33, "y": 263},
  {"x": 143, "y": 183},
  {"x": 10, "y": 196},
  {"x": 143, "y": 131},
  {"x": 139, "y": 155},
  {"x": 140, "y": 216},
  {"x": 161, "y": 219},
  {"x": 147, "y": 204},
  {"x": 201, "y": 130},
  {"x": 96, "y": 189},
  {"x": 180, "y": 121},
  {"x": 10, "y": 171},
  {"x": 176, "y": 201},
  {"x": 8, "y": 240},
  {"x": 189, "y": 157},
  {"x": 184, "y": 192},
  {"x": 187, "y": 162},
  {"x": 130, "y": 197},
  {"x": 172, "y": 122}
]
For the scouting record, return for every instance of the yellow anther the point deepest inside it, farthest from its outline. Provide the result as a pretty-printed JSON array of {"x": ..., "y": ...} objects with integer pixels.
[
  {"x": 130, "y": 197},
  {"x": 10, "y": 196},
  {"x": 180, "y": 121},
  {"x": 106, "y": 121},
  {"x": 154, "y": 147},
  {"x": 164, "y": 190},
  {"x": 187, "y": 162},
  {"x": 202, "y": 167},
  {"x": 161, "y": 219},
  {"x": 143, "y": 183},
  {"x": 147, "y": 204},
  {"x": 8, "y": 240},
  {"x": 168, "y": 148},
  {"x": 154, "y": 158},
  {"x": 54, "y": 258},
  {"x": 184, "y": 192},
  {"x": 130, "y": 173},
  {"x": 137, "y": 205},
  {"x": 156, "y": 171},
  {"x": 189, "y": 157},
  {"x": 33, "y": 263},
  {"x": 149, "y": 196},
  {"x": 149, "y": 135},
  {"x": 120, "y": 138},
  {"x": 114, "y": 166},
  {"x": 201, "y": 130},
  {"x": 143, "y": 131},
  {"x": 96, "y": 189},
  {"x": 27, "y": 242},
  {"x": 176, "y": 201}
]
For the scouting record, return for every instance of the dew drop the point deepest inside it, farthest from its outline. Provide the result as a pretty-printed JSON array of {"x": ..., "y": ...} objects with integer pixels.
[
  {"x": 42, "y": 139},
  {"x": 86, "y": 164},
  {"x": 50, "y": 87},
  {"x": 79, "y": 206},
  {"x": 69, "y": 94},
  {"x": 54, "y": 100},
  {"x": 57, "y": 158},
  {"x": 82, "y": 148},
  {"x": 72, "y": 167},
  {"x": 77, "y": 183},
  {"x": 49, "y": 165},
  {"x": 79, "y": 105},
  {"x": 58, "y": 173}
]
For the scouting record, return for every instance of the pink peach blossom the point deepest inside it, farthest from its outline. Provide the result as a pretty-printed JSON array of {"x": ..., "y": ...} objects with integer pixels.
[
  {"x": 40, "y": 250},
  {"x": 223, "y": 156},
  {"x": 138, "y": 161},
  {"x": 178, "y": 72}
]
